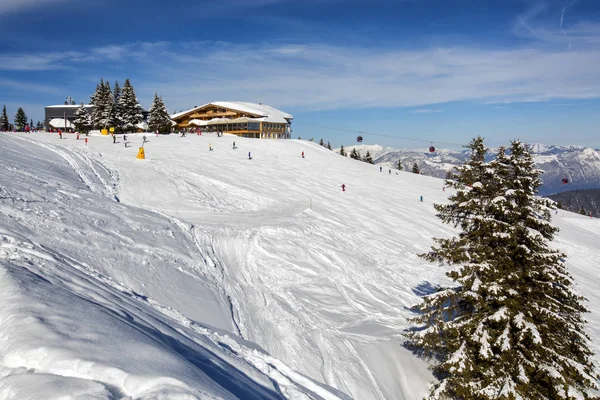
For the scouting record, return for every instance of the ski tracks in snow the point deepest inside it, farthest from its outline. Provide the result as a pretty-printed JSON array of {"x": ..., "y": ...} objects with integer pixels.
[
  {"x": 291, "y": 384},
  {"x": 89, "y": 173}
]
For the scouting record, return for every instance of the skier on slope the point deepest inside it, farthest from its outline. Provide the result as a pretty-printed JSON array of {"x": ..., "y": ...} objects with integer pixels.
[
  {"x": 380, "y": 168},
  {"x": 302, "y": 154},
  {"x": 421, "y": 199},
  {"x": 343, "y": 187},
  {"x": 249, "y": 156}
]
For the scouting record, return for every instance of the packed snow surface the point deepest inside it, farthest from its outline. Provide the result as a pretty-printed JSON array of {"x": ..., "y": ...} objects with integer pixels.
[{"x": 167, "y": 277}]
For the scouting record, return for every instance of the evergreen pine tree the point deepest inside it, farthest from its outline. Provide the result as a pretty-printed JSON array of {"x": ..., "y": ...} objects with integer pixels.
[
  {"x": 83, "y": 120},
  {"x": 321, "y": 142},
  {"x": 4, "y": 124},
  {"x": 400, "y": 167},
  {"x": 31, "y": 124},
  {"x": 158, "y": 118},
  {"x": 512, "y": 328},
  {"x": 582, "y": 211},
  {"x": 96, "y": 100},
  {"x": 342, "y": 151},
  {"x": 559, "y": 205},
  {"x": 368, "y": 158},
  {"x": 117, "y": 91},
  {"x": 130, "y": 111},
  {"x": 20, "y": 119},
  {"x": 328, "y": 146},
  {"x": 354, "y": 154},
  {"x": 415, "y": 169},
  {"x": 107, "y": 108}
]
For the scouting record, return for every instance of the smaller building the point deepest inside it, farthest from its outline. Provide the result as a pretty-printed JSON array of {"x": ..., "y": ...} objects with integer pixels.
[
  {"x": 62, "y": 117},
  {"x": 55, "y": 116},
  {"x": 254, "y": 120}
]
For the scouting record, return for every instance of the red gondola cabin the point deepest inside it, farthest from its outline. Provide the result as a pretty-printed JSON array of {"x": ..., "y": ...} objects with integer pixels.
[
  {"x": 565, "y": 180},
  {"x": 359, "y": 139}
]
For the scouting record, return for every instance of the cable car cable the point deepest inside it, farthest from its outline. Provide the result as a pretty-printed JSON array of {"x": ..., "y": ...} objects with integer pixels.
[{"x": 376, "y": 134}]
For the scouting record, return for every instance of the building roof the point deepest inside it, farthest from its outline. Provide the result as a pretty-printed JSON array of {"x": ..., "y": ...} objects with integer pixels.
[
  {"x": 70, "y": 106},
  {"x": 269, "y": 114},
  {"x": 60, "y": 123}
]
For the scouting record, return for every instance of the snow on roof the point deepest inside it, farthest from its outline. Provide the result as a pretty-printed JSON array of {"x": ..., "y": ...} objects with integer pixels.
[
  {"x": 60, "y": 123},
  {"x": 142, "y": 125},
  {"x": 269, "y": 114},
  {"x": 198, "y": 122},
  {"x": 70, "y": 106}
]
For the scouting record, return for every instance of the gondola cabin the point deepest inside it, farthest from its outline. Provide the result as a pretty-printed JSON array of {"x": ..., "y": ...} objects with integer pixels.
[
  {"x": 431, "y": 149},
  {"x": 565, "y": 181},
  {"x": 359, "y": 139}
]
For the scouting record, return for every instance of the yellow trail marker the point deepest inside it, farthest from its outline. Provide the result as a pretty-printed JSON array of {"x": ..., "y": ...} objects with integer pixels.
[{"x": 141, "y": 154}]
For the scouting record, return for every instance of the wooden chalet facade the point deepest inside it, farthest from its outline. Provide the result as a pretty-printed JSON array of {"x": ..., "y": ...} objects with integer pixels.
[{"x": 253, "y": 120}]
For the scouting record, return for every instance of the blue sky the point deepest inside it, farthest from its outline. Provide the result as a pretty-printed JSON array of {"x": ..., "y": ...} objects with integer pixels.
[{"x": 405, "y": 72}]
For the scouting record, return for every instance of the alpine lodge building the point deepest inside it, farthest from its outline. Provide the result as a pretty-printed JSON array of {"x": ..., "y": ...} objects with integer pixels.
[{"x": 252, "y": 120}]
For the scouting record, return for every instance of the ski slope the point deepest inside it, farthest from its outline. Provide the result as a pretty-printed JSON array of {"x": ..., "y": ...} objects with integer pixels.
[{"x": 169, "y": 275}]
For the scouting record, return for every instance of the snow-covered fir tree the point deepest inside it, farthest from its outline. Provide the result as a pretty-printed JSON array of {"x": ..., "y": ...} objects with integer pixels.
[
  {"x": 4, "y": 124},
  {"x": 96, "y": 101},
  {"x": 354, "y": 154},
  {"x": 321, "y": 142},
  {"x": 117, "y": 91},
  {"x": 368, "y": 158},
  {"x": 512, "y": 327},
  {"x": 342, "y": 151},
  {"x": 20, "y": 119},
  {"x": 83, "y": 120},
  {"x": 158, "y": 117},
  {"x": 415, "y": 169},
  {"x": 103, "y": 114},
  {"x": 129, "y": 109},
  {"x": 328, "y": 146},
  {"x": 400, "y": 167}
]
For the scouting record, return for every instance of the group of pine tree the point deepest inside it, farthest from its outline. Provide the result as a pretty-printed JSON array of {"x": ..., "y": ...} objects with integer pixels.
[
  {"x": 119, "y": 108},
  {"x": 511, "y": 327},
  {"x": 20, "y": 121}
]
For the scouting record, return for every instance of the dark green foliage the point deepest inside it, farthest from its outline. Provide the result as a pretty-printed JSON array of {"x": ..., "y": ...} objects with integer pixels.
[
  {"x": 582, "y": 211},
  {"x": 321, "y": 142},
  {"x": 20, "y": 119},
  {"x": 342, "y": 151},
  {"x": 158, "y": 118},
  {"x": 4, "y": 124},
  {"x": 415, "y": 169},
  {"x": 368, "y": 158},
  {"x": 83, "y": 120},
  {"x": 328, "y": 146},
  {"x": 400, "y": 167},
  {"x": 129, "y": 110},
  {"x": 354, "y": 154},
  {"x": 511, "y": 326}
]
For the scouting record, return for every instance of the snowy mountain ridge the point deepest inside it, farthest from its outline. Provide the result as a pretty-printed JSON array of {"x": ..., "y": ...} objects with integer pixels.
[{"x": 578, "y": 164}]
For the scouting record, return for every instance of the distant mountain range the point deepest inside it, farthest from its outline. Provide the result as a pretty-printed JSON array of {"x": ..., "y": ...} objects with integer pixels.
[
  {"x": 587, "y": 200},
  {"x": 579, "y": 165}
]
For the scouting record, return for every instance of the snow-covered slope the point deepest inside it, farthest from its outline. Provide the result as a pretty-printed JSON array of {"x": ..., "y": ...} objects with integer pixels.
[
  {"x": 203, "y": 243},
  {"x": 104, "y": 300}
]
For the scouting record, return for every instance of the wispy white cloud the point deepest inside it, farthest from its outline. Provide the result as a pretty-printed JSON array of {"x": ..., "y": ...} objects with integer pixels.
[
  {"x": 427, "y": 110},
  {"x": 13, "y": 6},
  {"x": 328, "y": 77},
  {"x": 29, "y": 86}
]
